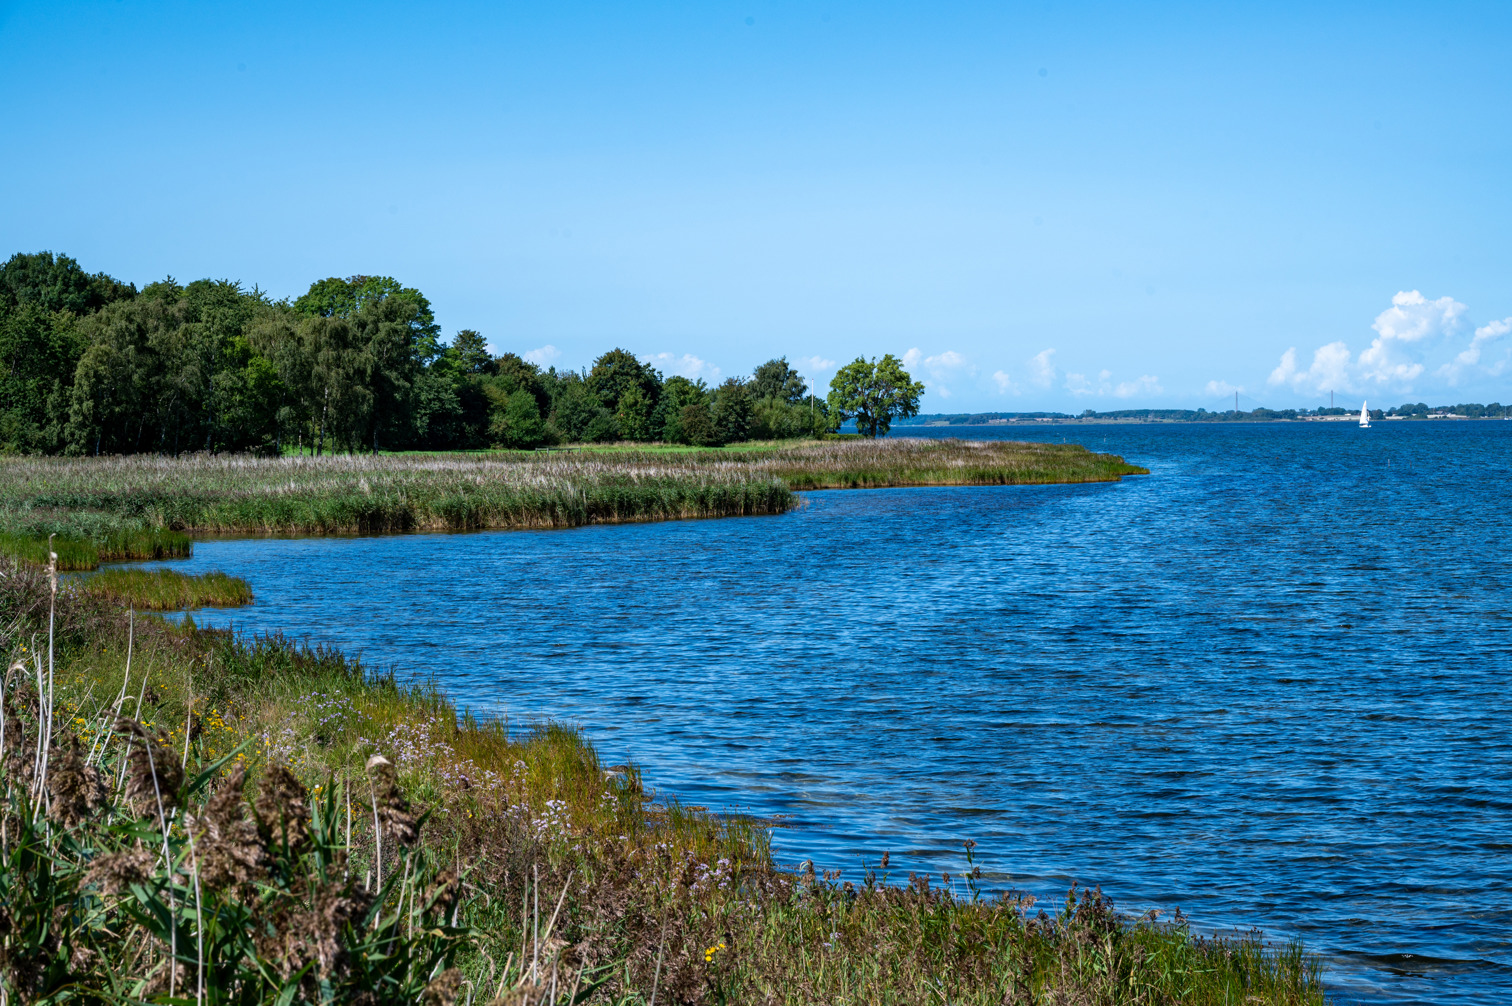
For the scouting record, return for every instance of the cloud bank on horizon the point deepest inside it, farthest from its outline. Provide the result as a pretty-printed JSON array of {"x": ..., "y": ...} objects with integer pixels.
[{"x": 1421, "y": 347}]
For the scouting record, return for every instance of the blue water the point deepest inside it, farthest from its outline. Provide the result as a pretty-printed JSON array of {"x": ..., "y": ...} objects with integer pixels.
[{"x": 1267, "y": 683}]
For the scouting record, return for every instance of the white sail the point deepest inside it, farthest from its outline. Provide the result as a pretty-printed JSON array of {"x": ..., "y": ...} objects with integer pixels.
[{"x": 1364, "y": 416}]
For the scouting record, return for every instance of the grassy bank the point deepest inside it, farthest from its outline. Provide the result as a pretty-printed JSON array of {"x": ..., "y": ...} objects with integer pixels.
[
  {"x": 467, "y": 864},
  {"x": 118, "y": 504},
  {"x": 76, "y": 553},
  {"x": 170, "y": 590}
]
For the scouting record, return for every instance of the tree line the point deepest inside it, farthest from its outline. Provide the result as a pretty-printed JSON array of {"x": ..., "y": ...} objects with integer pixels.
[{"x": 91, "y": 365}]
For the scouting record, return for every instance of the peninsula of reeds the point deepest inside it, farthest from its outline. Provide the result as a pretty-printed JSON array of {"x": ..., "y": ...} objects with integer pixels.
[
  {"x": 128, "y": 500},
  {"x": 191, "y": 817}
]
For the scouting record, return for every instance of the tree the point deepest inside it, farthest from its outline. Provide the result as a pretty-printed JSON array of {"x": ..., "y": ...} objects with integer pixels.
[
  {"x": 696, "y": 425},
  {"x": 616, "y": 374},
  {"x": 776, "y": 379},
  {"x": 577, "y": 416},
  {"x": 733, "y": 411},
  {"x": 519, "y": 425},
  {"x": 58, "y": 284},
  {"x": 874, "y": 394},
  {"x": 677, "y": 394},
  {"x": 471, "y": 353},
  {"x": 343, "y": 298}
]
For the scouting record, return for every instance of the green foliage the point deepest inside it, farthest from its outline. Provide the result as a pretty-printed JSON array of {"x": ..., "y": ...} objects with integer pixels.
[
  {"x": 346, "y": 298},
  {"x": 88, "y": 366},
  {"x": 52, "y": 284},
  {"x": 170, "y": 590},
  {"x": 733, "y": 412},
  {"x": 695, "y": 425},
  {"x": 777, "y": 379},
  {"x": 74, "y": 554},
  {"x": 617, "y": 374},
  {"x": 519, "y": 425},
  {"x": 179, "y": 888},
  {"x": 287, "y": 864},
  {"x": 677, "y": 394},
  {"x": 577, "y": 416},
  {"x": 874, "y": 393}
]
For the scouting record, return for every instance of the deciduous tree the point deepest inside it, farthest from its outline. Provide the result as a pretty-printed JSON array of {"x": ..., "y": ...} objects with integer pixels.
[{"x": 874, "y": 393}]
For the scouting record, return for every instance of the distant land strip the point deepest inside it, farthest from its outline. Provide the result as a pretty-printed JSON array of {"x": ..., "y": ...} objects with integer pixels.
[{"x": 1257, "y": 415}]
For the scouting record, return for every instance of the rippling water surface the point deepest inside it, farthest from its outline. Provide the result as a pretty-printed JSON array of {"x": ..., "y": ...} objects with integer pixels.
[{"x": 1267, "y": 683}]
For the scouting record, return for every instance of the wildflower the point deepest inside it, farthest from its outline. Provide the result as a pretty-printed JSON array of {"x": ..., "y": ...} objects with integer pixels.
[{"x": 711, "y": 951}]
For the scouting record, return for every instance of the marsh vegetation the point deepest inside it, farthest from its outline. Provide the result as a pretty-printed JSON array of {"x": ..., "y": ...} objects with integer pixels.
[
  {"x": 192, "y": 817},
  {"x": 147, "y": 499}
]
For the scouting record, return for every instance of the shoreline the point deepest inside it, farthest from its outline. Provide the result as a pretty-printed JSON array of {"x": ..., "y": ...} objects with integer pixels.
[{"x": 645, "y": 888}]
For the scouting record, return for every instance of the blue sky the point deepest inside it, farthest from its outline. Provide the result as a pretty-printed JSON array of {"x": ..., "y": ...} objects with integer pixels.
[{"x": 1046, "y": 205}]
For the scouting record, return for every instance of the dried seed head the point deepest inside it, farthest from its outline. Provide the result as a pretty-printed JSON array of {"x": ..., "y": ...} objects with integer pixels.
[
  {"x": 114, "y": 874},
  {"x": 76, "y": 789},
  {"x": 442, "y": 990},
  {"x": 231, "y": 851},
  {"x": 393, "y": 810},
  {"x": 153, "y": 770},
  {"x": 283, "y": 809},
  {"x": 441, "y": 897},
  {"x": 885, "y": 857}
]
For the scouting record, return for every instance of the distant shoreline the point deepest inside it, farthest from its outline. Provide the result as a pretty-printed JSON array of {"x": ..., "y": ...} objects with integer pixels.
[{"x": 901, "y": 428}]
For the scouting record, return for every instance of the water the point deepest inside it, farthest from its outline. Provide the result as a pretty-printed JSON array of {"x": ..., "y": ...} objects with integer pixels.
[{"x": 1267, "y": 683}]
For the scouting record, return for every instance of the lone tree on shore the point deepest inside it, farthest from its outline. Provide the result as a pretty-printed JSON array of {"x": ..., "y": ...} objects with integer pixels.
[{"x": 874, "y": 393}]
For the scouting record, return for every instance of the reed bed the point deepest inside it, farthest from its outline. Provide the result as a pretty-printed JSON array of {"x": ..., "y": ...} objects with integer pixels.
[
  {"x": 82, "y": 554},
  {"x": 306, "y": 830},
  {"x": 111, "y": 499},
  {"x": 170, "y": 590}
]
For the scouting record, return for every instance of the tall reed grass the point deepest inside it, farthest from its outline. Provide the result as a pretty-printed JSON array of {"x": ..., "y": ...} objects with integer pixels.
[
  {"x": 194, "y": 817},
  {"x": 103, "y": 499}
]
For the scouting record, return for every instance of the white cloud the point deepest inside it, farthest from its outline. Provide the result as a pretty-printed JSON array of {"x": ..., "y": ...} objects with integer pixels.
[
  {"x": 947, "y": 365},
  {"x": 1004, "y": 383},
  {"x": 948, "y": 360},
  {"x": 1414, "y": 338},
  {"x": 1392, "y": 357},
  {"x": 1147, "y": 384},
  {"x": 817, "y": 364},
  {"x": 1412, "y": 317},
  {"x": 1080, "y": 385},
  {"x": 1330, "y": 370},
  {"x": 1223, "y": 389},
  {"x": 545, "y": 356},
  {"x": 1484, "y": 339},
  {"x": 1042, "y": 368},
  {"x": 687, "y": 365}
]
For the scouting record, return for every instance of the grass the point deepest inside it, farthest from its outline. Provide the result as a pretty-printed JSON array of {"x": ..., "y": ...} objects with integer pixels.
[
  {"x": 170, "y": 590},
  {"x": 122, "y": 503},
  {"x": 82, "y": 554},
  {"x": 573, "y": 876}
]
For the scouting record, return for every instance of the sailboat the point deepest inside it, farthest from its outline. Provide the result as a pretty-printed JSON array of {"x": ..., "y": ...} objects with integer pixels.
[{"x": 1364, "y": 417}]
